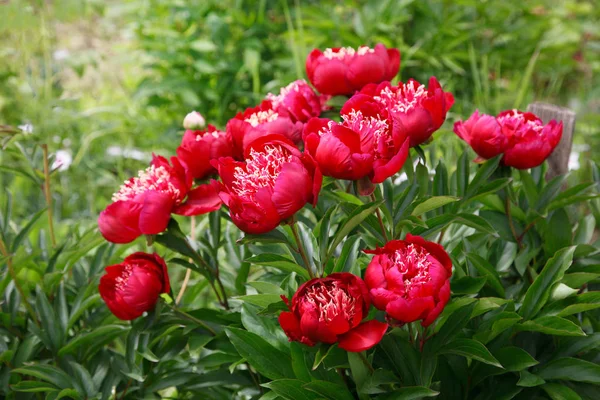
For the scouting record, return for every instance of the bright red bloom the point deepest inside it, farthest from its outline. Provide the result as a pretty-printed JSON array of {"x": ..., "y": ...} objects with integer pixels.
[
  {"x": 297, "y": 100},
  {"x": 343, "y": 70},
  {"x": 131, "y": 288},
  {"x": 410, "y": 279},
  {"x": 274, "y": 182},
  {"x": 260, "y": 121},
  {"x": 522, "y": 137},
  {"x": 198, "y": 148},
  {"x": 143, "y": 205},
  {"x": 365, "y": 144},
  {"x": 418, "y": 111},
  {"x": 330, "y": 310}
]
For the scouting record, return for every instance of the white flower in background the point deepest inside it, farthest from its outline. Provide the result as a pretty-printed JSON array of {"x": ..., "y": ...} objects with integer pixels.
[
  {"x": 135, "y": 154},
  {"x": 61, "y": 54},
  {"x": 194, "y": 120},
  {"x": 574, "y": 156},
  {"x": 62, "y": 160},
  {"x": 26, "y": 127}
]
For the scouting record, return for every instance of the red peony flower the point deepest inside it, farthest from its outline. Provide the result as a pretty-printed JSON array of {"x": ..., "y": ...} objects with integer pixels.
[
  {"x": 365, "y": 144},
  {"x": 198, "y": 148},
  {"x": 260, "y": 121},
  {"x": 274, "y": 182},
  {"x": 143, "y": 205},
  {"x": 410, "y": 279},
  {"x": 522, "y": 137},
  {"x": 418, "y": 111},
  {"x": 297, "y": 100},
  {"x": 133, "y": 287},
  {"x": 330, "y": 310},
  {"x": 343, "y": 70}
]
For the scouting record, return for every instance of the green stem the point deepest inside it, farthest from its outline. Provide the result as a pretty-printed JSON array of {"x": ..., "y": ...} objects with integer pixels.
[
  {"x": 301, "y": 250},
  {"x": 510, "y": 221},
  {"x": 191, "y": 318},
  {"x": 365, "y": 361},
  {"x": 383, "y": 230},
  {"x": 48, "y": 194}
]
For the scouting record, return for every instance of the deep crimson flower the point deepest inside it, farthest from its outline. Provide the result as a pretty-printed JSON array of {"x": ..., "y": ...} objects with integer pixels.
[
  {"x": 522, "y": 137},
  {"x": 410, "y": 279},
  {"x": 297, "y": 100},
  {"x": 330, "y": 310},
  {"x": 365, "y": 144},
  {"x": 198, "y": 148},
  {"x": 131, "y": 288},
  {"x": 418, "y": 111},
  {"x": 143, "y": 205},
  {"x": 343, "y": 70},
  {"x": 260, "y": 121},
  {"x": 274, "y": 182}
]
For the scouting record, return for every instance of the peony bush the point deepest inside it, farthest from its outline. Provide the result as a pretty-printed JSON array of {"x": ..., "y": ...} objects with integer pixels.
[{"x": 337, "y": 260}]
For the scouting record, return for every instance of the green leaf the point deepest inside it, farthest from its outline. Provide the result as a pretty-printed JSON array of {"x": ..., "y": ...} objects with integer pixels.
[
  {"x": 538, "y": 293},
  {"x": 499, "y": 324},
  {"x": 264, "y": 327},
  {"x": 48, "y": 319},
  {"x": 472, "y": 349},
  {"x": 299, "y": 362},
  {"x": 468, "y": 284},
  {"x": 514, "y": 358},
  {"x": 360, "y": 372},
  {"x": 571, "y": 369},
  {"x": 410, "y": 393},
  {"x": 528, "y": 379},
  {"x": 274, "y": 236},
  {"x": 433, "y": 203},
  {"x": 69, "y": 394},
  {"x": 261, "y": 300},
  {"x": 558, "y": 232},
  {"x": 98, "y": 337},
  {"x": 291, "y": 389},
  {"x": 46, "y": 373},
  {"x": 552, "y": 325},
  {"x": 349, "y": 254},
  {"x": 266, "y": 359},
  {"x": 354, "y": 219},
  {"x": 556, "y": 391},
  {"x": 453, "y": 325},
  {"x": 329, "y": 390},
  {"x": 484, "y": 171},
  {"x": 486, "y": 269},
  {"x": 280, "y": 262},
  {"x": 34, "y": 386},
  {"x": 25, "y": 231},
  {"x": 403, "y": 357},
  {"x": 570, "y": 346}
]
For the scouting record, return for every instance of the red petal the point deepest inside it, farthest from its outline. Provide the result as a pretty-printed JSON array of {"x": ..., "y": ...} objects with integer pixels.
[
  {"x": 204, "y": 199},
  {"x": 119, "y": 223},
  {"x": 156, "y": 212},
  {"x": 363, "y": 337}
]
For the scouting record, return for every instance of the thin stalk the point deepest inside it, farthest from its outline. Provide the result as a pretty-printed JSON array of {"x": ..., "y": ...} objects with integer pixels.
[
  {"x": 13, "y": 275},
  {"x": 301, "y": 249},
  {"x": 125, "y": 390},
  {"x": 191, "y": 318},
  {"x": 510, "y": 221},
  {"x": 188, "y": 273},
  {"x": 381, "y": 225},
  {"x": 48, "y": 194},
  {"x": 225, "y": 302},
  {"x": 365, "y": 361}
]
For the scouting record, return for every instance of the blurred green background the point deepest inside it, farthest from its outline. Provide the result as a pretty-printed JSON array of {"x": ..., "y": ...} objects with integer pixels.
[{"x": 106, "y": 83}]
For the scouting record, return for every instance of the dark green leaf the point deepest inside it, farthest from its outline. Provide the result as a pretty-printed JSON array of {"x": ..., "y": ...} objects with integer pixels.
[
  {"x": 571, "y": 369},
  {"x": 34, "y": 386},
  {"x": 47, "y": 373},
  {"x": 486, "y": 269},
  {"x": 280, "y": 262},
  {"x": 329, "y": 390},
  {"x": 25, "y": 231},
  {"x": 472, "y": 349},
  {"x": 514, "y": 358},
  {"x": 98, "y": 337},
  {"x": 433, "y": 203},
  {"x": 468, "y": 285},
  {"x": 291, "y": 389},
  {"x": 557, "y": 391},
  {"x": 410, "y": 393},
  {"x": 528, "y": 379},
  {"x": 353, "y": 220},
  {"x": 552, "y": 326}
]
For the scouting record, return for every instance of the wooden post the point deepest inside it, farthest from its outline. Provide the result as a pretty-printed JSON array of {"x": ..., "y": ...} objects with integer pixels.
[{"x": 558, "y": 161}]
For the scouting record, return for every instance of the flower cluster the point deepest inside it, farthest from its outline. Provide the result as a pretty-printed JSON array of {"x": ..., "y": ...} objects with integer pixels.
[{"x": 269, "y": 161}]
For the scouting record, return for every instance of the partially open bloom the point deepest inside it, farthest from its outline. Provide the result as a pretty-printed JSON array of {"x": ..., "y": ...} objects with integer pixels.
[
  {"x": 344, "y": 70},
  {"x": 193, "y": 121},
  {"x": 330, "y": 310},
  {"x": 297, "y": 100},
  {"x": 417, "y": 110},
  {"x": 410, "y": 279},
  {"x": 260, "y": 121},
  {"x": 365, "y": 145},
  {"x": 131, "y": 288},
  {"x": 521, "y": 136},
  {"x": 271, "y": 185},
  {"x": 143, "y": 205},
  {"x": 198, "y": 148}
]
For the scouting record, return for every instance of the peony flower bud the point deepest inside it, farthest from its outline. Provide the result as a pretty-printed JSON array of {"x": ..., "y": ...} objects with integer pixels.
[
  {"x": 193, "y": 121},
  {"x": 131, "y": 288},
  {"x": 522, "y": 138},
  {"x": 330, "y": 310},
  {"x": 343, "y": 70},
  {"x": 143, "y": 205},
  {"x": 410, "y": 279}
]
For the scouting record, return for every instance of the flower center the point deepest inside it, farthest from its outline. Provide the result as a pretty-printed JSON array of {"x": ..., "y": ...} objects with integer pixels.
[
  {"x": 516, "y": 120},
  {"x": 372, "y": 130},
  {"x": 152, "y": 178},
  {"x": 276, "y": 100},
  {"x": 260, "y": 117},
  {"x": 344, "y": 52},
  {"x": 123, "y": 278},
  {"x": 413, "y": 262},
  {"x": 262, "y": 169},
  {"x": 216, "y": 134},
  {"x": 331, "y": 300},
  {"x": 403, "y": 98}
]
